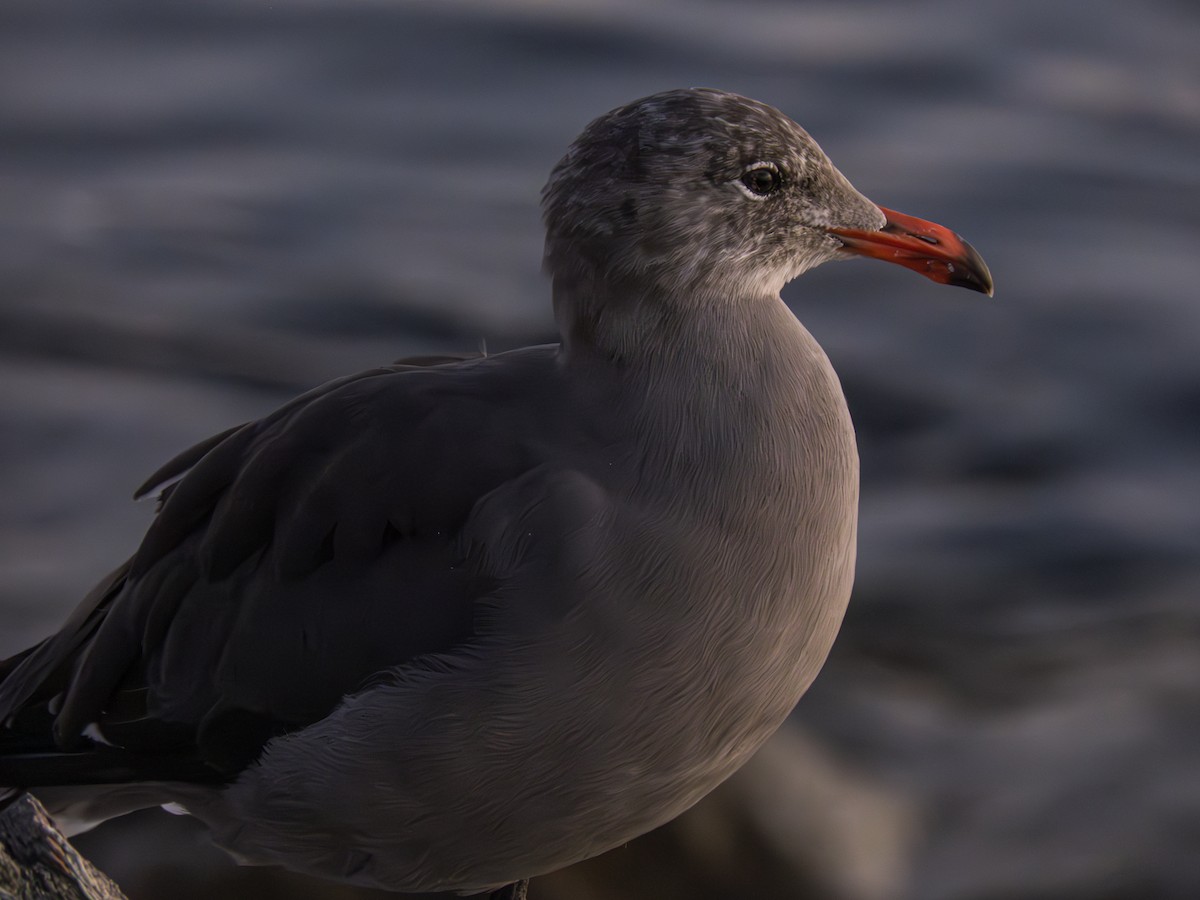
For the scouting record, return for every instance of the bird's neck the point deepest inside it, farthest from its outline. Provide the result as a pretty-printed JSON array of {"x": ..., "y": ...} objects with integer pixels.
[
  {"x": 736, "y": 381},
  {"x": 733, "y": 340},
  {"x": 633, "y": 325}
]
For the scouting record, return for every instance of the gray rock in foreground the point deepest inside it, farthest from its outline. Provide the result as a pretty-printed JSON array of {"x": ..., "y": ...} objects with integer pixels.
[{"x": 37, "y": 862}]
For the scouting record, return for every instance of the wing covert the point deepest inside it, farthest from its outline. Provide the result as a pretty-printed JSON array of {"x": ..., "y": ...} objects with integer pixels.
[{"x": 295, "y": 557}]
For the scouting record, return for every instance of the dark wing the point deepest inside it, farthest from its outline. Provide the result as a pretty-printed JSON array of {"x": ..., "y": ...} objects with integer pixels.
[{"x": 293, "y": 560}]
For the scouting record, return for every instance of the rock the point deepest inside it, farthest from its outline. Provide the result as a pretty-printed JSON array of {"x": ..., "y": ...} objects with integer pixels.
[{"x": 38, "y": 863}]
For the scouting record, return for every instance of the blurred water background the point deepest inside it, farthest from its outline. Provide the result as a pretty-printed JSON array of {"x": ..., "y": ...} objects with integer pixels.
[{"x": 206, "y": 208}]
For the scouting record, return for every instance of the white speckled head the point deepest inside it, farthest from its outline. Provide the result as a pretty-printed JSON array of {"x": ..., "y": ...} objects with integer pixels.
[{"x": 699, "y": 192}]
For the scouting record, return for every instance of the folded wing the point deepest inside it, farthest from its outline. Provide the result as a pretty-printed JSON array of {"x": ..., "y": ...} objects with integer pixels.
[{"x": 292, "y": 560}]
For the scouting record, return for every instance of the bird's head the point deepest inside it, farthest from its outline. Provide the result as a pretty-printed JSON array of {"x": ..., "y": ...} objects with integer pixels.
[{"x": 702, "y": 193}]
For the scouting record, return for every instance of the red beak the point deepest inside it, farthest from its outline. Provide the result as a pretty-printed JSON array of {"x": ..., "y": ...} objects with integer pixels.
[{"x": 924, "y": 247}]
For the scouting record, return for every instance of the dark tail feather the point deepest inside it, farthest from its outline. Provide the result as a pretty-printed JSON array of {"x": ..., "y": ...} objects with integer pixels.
[
  {"x": 102, "y": 765},
  {"x": 8, "y": 665},
  {"x": 43, "y": 670}
]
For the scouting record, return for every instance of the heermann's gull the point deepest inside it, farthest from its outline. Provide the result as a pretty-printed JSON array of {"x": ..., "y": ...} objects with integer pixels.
[{"x": 444, "y": 626}]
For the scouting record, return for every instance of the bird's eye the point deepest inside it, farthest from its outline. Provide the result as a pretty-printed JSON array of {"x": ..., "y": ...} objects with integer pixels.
[{"x": 762, "y": 180}]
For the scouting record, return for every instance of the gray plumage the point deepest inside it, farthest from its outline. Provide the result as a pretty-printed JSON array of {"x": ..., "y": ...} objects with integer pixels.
[{"x": 444, "y": 626}]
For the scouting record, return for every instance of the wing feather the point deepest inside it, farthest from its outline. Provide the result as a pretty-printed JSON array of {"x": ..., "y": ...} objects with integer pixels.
[{"x": 293, "y": 559}]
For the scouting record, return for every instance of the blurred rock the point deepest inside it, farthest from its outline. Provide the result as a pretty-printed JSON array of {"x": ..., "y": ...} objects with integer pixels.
[
  {"x": 37, "y": 862},
  {"x": 795, "y": 823}
]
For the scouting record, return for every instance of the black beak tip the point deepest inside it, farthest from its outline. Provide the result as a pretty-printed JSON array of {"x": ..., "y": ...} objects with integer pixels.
[{"x": 973, "y": 273}]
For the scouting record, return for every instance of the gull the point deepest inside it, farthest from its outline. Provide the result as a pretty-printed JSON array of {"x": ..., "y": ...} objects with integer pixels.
[{"x": 451, "y": 623}]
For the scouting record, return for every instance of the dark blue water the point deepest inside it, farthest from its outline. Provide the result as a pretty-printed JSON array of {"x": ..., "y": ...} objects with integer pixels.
[{"x": 204, "y": 209}]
